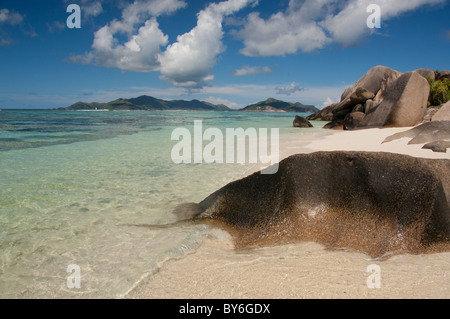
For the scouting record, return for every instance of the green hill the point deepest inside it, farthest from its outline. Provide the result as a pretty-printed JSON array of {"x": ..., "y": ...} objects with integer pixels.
[
  {"x": 149, "y": 103},
  {"x": 273, "y": 105}
]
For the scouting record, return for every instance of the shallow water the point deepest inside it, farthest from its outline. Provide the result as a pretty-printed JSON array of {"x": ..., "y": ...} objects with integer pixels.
[{"x": 73, "y": 183}]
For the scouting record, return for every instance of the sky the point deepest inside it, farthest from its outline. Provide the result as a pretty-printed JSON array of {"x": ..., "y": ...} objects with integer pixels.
[{"x": 232, "y": 52}]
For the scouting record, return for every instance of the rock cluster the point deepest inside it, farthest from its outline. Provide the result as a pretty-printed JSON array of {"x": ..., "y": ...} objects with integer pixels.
[{"x": 382, "y": 98}]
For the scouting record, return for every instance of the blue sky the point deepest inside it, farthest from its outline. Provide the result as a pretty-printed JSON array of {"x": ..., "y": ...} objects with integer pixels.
[{"x": 235, "y": 52}]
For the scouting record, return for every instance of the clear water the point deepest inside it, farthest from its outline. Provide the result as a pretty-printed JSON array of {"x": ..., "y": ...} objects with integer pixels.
[{"x": 73, "y": 183}]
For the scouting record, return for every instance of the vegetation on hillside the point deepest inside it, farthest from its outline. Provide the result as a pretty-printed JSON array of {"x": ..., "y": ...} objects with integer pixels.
[
  {"x": 271, "y": 103},
  {"x": 149, "y": 103},
  {"x": 439, "y": 91}
]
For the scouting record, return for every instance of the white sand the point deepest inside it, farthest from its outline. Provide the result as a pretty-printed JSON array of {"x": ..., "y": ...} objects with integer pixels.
[
  {"x": 371, "y": 140},
  {"x": 305, "y": 270}
]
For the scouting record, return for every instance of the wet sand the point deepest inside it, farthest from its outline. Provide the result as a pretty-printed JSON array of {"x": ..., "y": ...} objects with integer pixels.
[
  {"x": 304, "y": 270},
  {"x": 301, "y": 271}
]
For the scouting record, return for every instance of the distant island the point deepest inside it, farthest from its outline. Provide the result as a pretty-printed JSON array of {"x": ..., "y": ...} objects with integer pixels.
[
  {"x": 149, "y": 103},
  {"x": 273, "y": 105}
]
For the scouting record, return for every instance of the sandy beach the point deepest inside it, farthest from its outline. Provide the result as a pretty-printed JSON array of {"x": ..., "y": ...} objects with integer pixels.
[{"x": 303, "y": 270}]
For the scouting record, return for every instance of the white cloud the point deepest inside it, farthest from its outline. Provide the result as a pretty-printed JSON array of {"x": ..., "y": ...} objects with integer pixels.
[
  {"x": 288, "y": 89},
  {"x": 135, "y": 42},
  {"x": 286, "y": 32},
  {"x": 310, "y": 25},
  {"x": 247, "y": 70},
  {"x": 218, "y": 101},
  {"x": 349, "y": 26},
  {"x": 139, "y": 11},
  {"x": 189, "y": 61},
  {"x": 328, "y": 102},
  {"x": 10, "y": 17},
  {"x": 144, "y": 42},
  {"x": 139, "y": 54}
]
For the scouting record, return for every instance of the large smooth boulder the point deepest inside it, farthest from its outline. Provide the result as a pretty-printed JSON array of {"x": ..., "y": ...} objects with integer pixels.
[
  {"x": 372, "y": 202},
  {"x": 301, "y": 122},
  {"x": 443, "y": 114},
  {"x": 404, "y": 103},
  {"x": 376, "y": 79}
]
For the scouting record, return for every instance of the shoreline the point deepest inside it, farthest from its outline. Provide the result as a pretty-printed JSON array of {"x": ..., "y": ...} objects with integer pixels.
[
  {"x": 303, "y": 270},
  {"x": 295, "y": 271}
]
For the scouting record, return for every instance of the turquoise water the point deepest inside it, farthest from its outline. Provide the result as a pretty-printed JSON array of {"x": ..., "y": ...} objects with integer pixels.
[{"x": 73, "y": 183}]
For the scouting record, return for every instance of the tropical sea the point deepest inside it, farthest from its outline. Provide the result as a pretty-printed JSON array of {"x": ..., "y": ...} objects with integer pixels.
[{"x": 76, "y": 187}]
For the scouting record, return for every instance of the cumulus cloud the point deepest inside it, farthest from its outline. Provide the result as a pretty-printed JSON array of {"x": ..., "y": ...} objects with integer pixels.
[
  {"x": 189, "y": 61},
  {"x": 186, "y": 63},
  {"x": 288, "y": 89},
  {"x": 144, "y": 38},
  {"x": 247, "y": 70},
  {"x": 310, "y": 25},
  {"x": 286, "y": 32}
]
